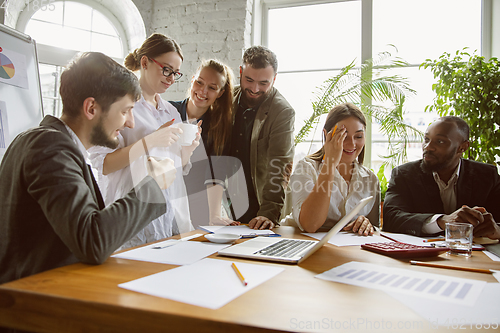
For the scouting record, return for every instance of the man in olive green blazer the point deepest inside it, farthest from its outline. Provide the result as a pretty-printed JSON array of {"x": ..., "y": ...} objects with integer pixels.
[{"x": 262, "y": 137}]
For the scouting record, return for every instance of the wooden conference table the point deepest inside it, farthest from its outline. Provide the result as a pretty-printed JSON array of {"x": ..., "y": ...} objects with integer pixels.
[{"x": 86, "y": 298}]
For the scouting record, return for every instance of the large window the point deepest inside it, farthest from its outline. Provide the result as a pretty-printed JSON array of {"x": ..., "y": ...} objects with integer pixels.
[
  {"x": 313, "y": 41},
  {"x": 68, "y": 27}
]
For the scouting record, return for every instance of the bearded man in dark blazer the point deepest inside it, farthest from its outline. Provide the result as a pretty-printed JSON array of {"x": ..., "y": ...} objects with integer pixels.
[
  {"x": 52, "y": 212},
  {"x": 443, "y": 187}
]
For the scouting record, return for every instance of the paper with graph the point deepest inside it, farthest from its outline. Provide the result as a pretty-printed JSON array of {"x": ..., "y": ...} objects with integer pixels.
[{"x": 431, "y": 286}]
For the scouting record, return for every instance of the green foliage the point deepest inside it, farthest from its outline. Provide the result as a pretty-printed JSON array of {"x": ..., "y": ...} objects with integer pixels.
[
  {"x": 381, "y": 97},
  {"x": 468, "y": 86},
  {"x": 383, "y": 182}
]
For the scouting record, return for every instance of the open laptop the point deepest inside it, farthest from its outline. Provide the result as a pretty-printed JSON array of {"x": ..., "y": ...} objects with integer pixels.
[{"x": 286, "y": 250}]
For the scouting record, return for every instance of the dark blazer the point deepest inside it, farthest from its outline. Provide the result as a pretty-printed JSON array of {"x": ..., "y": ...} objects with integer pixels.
[
  {"x": 412, "y": 196},
  {"x": 50, "y": 207}
]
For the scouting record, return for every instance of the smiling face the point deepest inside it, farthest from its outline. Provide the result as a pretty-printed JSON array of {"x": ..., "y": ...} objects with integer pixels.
[
  {"x": 206, "y": 86},
  {"x": 354, "y": 141},
  {"x": 110, "y": 123},
  {"x": 255, "y": 84},
  {"x": 152, "y": 78}
]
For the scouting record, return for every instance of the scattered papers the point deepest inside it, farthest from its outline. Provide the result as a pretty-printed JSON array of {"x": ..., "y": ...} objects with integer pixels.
[
  {"x": 496, "y": 274},
  {"x": 484, "y": 314},
  {"x": 492, "y": 255},
  {"x": 409, "y": 282},
  {"x": 345, "y": 238},
  {"x": 242, "y": 230},
  {"x": 420, "y": 241},
  {"x": 173, "y": 252},
  {"x": 209, "y": 283}
]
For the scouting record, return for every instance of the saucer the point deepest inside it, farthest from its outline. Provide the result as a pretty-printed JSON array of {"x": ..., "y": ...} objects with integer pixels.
[{"x": 222, "y": 238}]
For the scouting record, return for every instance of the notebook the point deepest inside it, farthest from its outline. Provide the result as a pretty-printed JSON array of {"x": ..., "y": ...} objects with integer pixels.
[{"x": 286, "y": 250}]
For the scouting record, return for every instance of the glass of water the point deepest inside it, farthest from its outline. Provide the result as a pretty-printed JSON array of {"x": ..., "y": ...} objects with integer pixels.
[{"x": 459, "y": 238}]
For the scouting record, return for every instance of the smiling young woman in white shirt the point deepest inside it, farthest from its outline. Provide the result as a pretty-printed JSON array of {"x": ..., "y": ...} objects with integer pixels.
[
  {"x": 159, "y": 60},
  {"x": 327, "y": 184}
]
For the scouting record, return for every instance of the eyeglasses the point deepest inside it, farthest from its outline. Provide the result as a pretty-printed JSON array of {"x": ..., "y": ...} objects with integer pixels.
[{"x": 167, "y": 71}]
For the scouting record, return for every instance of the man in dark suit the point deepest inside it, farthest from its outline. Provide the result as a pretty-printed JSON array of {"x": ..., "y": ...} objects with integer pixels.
[
  {"x": 52, "y": 213},
  {"x": 442, "y": 187}
]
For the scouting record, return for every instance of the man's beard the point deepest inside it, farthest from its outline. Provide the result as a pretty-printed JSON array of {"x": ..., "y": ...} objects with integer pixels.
[
  {"x": 427, "y": 167},
  {"x": 98, "y": 137},
  {"x": 253, "y": 102}
]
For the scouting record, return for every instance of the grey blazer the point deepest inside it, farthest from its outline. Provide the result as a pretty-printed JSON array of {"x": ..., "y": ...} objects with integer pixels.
[{"x": 51, "y": 208}]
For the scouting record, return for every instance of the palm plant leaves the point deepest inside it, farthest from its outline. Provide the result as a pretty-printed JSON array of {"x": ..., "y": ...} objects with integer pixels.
[{"x": 364, "y": 86}]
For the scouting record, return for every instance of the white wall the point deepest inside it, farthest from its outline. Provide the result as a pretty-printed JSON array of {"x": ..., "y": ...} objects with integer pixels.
[{"x": 206, "y": 29}]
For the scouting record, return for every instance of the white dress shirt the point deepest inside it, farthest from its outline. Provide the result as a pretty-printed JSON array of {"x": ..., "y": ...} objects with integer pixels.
[
  {"x": 344, "y": 197},
  {"x": 448, "y": 193},
  {"x": 117, "y": 184}
]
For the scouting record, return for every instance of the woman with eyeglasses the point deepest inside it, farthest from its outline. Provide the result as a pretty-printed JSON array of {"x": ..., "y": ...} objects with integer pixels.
[
  {"x": 159, "y": 60},
  {"x": 210, "y": 99}
]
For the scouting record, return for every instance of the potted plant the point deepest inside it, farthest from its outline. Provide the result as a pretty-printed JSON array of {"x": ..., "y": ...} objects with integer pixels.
[
  {"x": 468, "y": 86},
  {"x": 381, "y": 97}
]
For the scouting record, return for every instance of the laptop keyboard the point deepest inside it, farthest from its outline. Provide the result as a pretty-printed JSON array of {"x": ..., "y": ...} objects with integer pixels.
[{"x": 285, "y": 248}]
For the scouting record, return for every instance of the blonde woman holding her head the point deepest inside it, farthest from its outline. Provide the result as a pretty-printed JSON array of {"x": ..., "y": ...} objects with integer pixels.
[{"x": 159, "y": 60}]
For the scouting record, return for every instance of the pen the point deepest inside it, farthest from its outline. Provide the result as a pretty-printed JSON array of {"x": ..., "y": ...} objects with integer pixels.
[
  {"x": 433, "y": 239},
  {"x": 233, "y": 265},
  {"x": 255, "y": 235},
  {"x": 392, "y": 239},
  {"x": 334, "y": 130},
  {"x": 477, "y": 270}
]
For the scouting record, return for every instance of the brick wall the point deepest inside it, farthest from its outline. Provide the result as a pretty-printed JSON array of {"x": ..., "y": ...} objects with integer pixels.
[{"x": 204, "y": 29}]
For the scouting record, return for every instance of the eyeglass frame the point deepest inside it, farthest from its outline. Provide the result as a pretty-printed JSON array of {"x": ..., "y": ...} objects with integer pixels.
[{"x": 177, "y": 75}]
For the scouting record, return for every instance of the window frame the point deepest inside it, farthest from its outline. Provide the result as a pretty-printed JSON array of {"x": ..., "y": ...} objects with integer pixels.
[
  {"x": 260, "y": 35},
  {"x": 52, "y": 55}
]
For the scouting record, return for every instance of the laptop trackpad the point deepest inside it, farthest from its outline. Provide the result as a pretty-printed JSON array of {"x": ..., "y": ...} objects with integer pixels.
[{"x": 252, "y": 245}]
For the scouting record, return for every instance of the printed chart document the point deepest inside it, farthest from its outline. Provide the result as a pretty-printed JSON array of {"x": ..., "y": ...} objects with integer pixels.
[
  {"x": 173, "y": 252},
  {"x": 483, "y": 315},
  {"x": 424, "y": 285},
  {"x": 242, "y": 230},
  {"x": 209, "y": 283},
  {"x": 345, "y": 238}
]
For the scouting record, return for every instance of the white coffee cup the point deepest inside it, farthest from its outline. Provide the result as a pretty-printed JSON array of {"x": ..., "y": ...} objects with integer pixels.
[{"x": 188, "y": 133}]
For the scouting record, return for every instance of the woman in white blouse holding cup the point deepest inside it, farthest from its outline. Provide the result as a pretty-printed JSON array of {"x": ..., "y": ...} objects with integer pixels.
[
  {"x": 157, "y": 125},
  {"x": 330, "y": 182}
]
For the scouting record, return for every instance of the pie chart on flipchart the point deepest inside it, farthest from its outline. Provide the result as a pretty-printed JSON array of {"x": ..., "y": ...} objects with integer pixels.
[{"x": 7, "y": 69}]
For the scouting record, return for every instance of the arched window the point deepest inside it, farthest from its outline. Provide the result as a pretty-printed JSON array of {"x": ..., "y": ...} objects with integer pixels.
[
  {"x": 75, "y": 26},
  {"x": 63, "y": 28}
]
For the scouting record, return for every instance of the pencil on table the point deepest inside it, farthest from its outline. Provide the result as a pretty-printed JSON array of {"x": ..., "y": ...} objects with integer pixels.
[
  {"x": 433, "y": 239},
  {"x": 469, "y": 269},
  {"x": 240, "y": 276}
]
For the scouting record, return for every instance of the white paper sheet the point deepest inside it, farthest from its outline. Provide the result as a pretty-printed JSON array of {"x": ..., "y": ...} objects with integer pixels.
[
  {"x": 181, "y": 253},
  {"x": 209, "y": 283},
  {"x": 345, "y": 238},
  {"x": 242, "y": 230},
  {"x": 491, "y": 255},
  {"x": 484, "y": 314},
  {"x": 420, "y": 241},
  {"x": 409, "y": 282}
]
